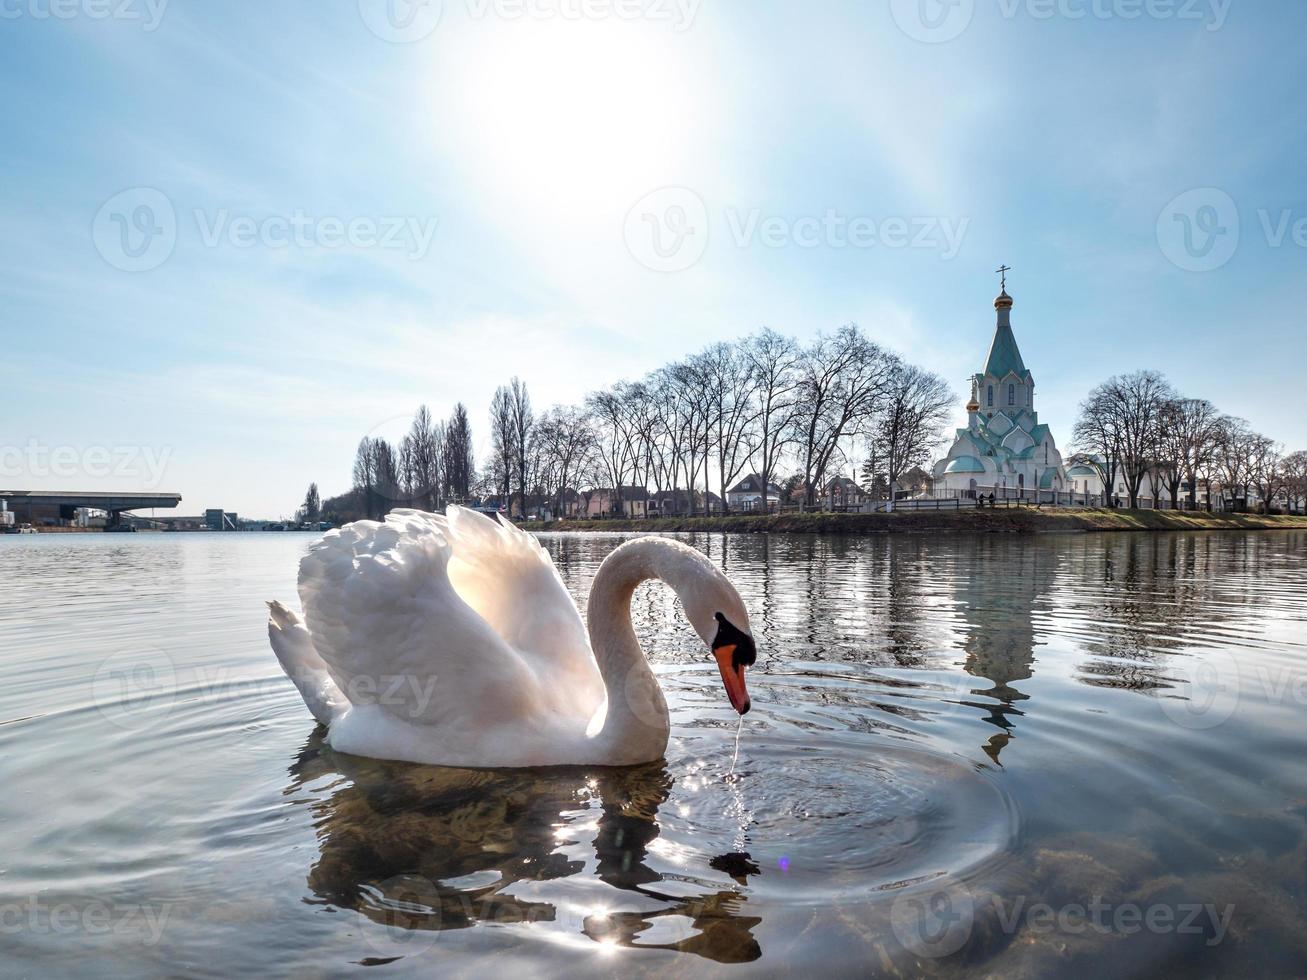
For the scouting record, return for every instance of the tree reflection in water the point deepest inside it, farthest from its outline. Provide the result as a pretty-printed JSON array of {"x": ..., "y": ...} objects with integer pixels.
[{"x": 429, "y": 848}]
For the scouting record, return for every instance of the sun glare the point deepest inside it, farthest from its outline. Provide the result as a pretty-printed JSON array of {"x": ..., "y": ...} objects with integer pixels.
[{"x": 567, "y": 118}]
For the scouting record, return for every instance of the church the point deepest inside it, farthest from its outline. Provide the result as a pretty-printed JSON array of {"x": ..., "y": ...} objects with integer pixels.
[{"x": 1004, "y": 449}]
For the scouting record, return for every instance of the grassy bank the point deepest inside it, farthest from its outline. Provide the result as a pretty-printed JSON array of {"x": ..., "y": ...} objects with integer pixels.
[{"x": 1020, "y": 520}]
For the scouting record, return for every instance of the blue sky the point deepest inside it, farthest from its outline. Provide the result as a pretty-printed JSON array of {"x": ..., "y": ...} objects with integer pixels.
[{"x": 350, "y": 210}]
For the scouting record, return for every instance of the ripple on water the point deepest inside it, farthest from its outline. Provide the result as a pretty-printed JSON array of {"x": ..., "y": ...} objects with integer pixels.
[{"x": 833, "y": 822}]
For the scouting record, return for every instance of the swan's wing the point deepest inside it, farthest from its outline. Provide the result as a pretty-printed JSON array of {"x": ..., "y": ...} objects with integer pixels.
[
  {"x": 504, "y": 574},
  {"x": 393, "y": 631},
  {"x": 294, "y": 648}
]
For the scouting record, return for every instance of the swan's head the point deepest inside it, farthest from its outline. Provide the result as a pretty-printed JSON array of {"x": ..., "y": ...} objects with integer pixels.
[
  {"x": 717, "y": 613},
  {"x": 733, "y": 648}
]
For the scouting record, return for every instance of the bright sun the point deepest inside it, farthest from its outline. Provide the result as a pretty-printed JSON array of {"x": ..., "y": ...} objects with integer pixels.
[{"x": 569, "y": 117}]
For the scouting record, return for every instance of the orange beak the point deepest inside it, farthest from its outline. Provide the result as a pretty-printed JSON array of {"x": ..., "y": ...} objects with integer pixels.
[{"x": 733, "y": 678}]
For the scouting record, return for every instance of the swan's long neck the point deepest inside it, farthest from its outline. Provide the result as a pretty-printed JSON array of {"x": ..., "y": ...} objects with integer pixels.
[{"x": 636, "y": 718}]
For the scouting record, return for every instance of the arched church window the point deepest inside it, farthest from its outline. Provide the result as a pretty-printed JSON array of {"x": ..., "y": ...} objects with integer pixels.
[
  {"x": 1045, "y": 454},
  {"x": 1011, "y": 394},
  {"x": 991, "y": 396}
]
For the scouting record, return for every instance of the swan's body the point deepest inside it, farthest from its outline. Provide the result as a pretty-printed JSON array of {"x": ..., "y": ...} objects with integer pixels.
[{"x": 450, "y": 639}]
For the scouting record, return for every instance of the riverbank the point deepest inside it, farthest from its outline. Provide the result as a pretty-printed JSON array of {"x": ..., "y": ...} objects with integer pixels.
[{"x": 1015, "y": 520}]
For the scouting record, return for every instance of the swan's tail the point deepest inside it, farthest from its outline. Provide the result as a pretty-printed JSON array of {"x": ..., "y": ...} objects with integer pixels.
[{"x": 293, "y": 645}]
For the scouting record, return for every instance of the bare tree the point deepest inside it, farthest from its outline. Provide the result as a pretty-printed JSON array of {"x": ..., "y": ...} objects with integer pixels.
[
  {"x": 420, "y": 457},
  {"x": 774, "y": 361},
  {"x": 911, "y": 419},
  {"x": 1265, "y": 469},
  {"x": 565, "y": 442},
  {"x": 1294, "y": 468},
  {"x": 312, "y": 506},
  {"x": 732, "y": 410},
  {"x": 1119, "y": 427},
  {"x": 1187, "y": 438},
  {"x": 615, "y": 458},
  {"x": 521, "y": 421},
  {"x": 457, "y": 464},
  {"x": 842, "y": 378},
  {"x": 502, "y": 434}
]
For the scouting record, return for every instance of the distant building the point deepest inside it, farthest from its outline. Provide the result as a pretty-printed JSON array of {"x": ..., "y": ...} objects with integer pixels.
[
  {"x": 1004, "y": 447},
  {"x": 605, "y": 502},
  {"x": 842, "y": 493},
  {"x": 748, "y": 495},
  {"x": 217, "y": 519}
]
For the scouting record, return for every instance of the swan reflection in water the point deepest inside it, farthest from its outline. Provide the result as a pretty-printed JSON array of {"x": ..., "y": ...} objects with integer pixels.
[{"x": 428, "y": 848}]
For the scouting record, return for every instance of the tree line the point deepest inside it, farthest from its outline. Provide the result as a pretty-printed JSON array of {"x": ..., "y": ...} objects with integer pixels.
[
  {"x": 1136, "y": 428},
  {"x": 790, "y": 413}
]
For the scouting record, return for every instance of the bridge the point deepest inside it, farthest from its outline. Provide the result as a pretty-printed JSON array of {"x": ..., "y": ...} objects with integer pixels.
[{"x": 114, "y": 502}]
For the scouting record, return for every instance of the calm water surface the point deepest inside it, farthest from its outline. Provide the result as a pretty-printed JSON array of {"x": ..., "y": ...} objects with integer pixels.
[{"x": 1012, "y": 755}]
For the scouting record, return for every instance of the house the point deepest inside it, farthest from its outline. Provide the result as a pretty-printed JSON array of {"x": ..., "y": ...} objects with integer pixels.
[
  {"x": 748, "y": 495},
  {"x": 915, "y": 481},
  {"x": 604, "y": 502},
  {"x": 841, "y": 493}
]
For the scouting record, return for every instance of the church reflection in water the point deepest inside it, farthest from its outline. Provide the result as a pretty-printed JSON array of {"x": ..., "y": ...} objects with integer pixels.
[
  {"x": 428, "y": 848},
  {"x": 998, "y": 627}
]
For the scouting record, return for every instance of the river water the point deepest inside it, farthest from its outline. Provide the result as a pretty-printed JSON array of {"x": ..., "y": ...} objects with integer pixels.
[{"x": 1071, "y": 754}]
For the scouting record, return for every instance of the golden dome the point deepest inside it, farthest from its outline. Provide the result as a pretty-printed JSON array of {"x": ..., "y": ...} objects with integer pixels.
[
  {"x": 1003, "y": 302},
  {"x": 973, "y": 405}
]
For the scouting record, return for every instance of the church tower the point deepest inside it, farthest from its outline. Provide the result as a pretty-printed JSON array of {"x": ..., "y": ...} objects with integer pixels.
[
  {"x": 1005, "y": 385},
  {"x": 1004, "y": 448}
]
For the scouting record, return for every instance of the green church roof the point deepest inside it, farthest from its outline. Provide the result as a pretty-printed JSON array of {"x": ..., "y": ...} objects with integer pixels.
[
  {"x": 1004, "y": 357},
  {"x": 965, "y": 464}
]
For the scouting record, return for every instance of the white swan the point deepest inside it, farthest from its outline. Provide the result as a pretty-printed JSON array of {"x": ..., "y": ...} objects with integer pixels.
[{"x": 450, "y": 639}]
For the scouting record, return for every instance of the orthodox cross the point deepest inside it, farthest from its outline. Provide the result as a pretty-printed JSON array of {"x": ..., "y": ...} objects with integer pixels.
[{"x": 1003, "y": 270}]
